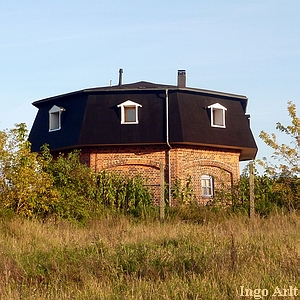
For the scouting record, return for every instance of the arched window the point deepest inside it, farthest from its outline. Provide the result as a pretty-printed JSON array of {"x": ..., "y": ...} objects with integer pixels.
[{"x": 129, "y": 112}]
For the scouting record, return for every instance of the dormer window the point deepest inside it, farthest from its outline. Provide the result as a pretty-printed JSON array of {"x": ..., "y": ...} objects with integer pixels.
[
  {"x": 129, "y": 112},
  {"x": 55, "y": 118},
  {"x": 217, "y": 115}
]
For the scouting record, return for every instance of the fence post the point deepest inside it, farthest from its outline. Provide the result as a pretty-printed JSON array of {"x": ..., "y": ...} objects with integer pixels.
[
  {"x": 162, "y": 192},
  {"x": 251, "y": 178}
]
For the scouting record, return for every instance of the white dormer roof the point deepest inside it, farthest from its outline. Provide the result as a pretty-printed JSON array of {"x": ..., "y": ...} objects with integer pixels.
[
  {"x": 218, "y": 106},
  {"x": 129, "y": 103},
  {"x": 55, "y": 109}
]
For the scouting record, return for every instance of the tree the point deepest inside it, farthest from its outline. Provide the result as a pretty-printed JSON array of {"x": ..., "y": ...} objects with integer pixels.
[
  {"x": 24, "y": 186},
  {"x": 286, "y": 155},
  {"x": 283, "y": 178}
]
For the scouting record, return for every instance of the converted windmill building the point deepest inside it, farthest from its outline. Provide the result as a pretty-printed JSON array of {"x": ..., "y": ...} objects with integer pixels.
[{"x": 132, "y": 128}]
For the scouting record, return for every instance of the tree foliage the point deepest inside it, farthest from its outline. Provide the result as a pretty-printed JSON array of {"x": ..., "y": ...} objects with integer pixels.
[
  {"x": 280, "y": 185},
  {"x": 121, "y": 192},
  {"x": 286, "y": 155},
  {"x": 25, "y": 187},
  {"x": 73, "y": 181},
  {"x": 271, "y": 193},
  {"x": 39, "y": 185}
]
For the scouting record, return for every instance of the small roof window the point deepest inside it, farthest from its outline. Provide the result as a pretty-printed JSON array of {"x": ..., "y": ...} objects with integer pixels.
[
  {"x": 55, "y": 118},
  {"x": 217, "y": 115},
  {"x": 129, "y": 112}
]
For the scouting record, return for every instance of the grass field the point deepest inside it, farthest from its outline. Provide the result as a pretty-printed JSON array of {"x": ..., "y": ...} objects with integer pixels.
[{"x": 121, "y": 258}]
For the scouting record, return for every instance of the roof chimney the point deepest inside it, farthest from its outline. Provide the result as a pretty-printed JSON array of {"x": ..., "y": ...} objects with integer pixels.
[
  {"x": 181, "y": 81},
  {"x": 120, "y": 76}
]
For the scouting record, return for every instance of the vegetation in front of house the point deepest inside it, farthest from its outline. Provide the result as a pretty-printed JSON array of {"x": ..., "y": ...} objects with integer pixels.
[
  {"x": 118, "y": 249},
  {"x": 279, "y": 186},
  {"x": 37, "y": 185},
  {"x": 24, "y": 185},
  {"x": 116, "y": 257}
]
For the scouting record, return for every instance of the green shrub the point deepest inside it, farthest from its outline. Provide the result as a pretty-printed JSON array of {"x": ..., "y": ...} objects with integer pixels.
[
  {"x": 181, "y": 192},
  {"x": 74, "y": 183},
  {"x": 84, "y": 193},
  {"x": 39, "y": 185},
  {"x": 24, "y": 186},
  {"x": 271, "y": 194},
  {"x": 122, "y": 192}
]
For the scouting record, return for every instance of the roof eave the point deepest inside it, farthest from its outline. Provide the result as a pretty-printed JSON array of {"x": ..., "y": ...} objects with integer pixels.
[
  {"x": 245, "y": 153},
  {"x": 37, "y": 102},
  {"x": 141, "y": 88}
]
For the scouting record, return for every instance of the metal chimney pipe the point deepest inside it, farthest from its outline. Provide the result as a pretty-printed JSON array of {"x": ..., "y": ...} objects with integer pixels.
[
  {"x": 120, "y": 76},
  {"x": 181, "y": 81}
]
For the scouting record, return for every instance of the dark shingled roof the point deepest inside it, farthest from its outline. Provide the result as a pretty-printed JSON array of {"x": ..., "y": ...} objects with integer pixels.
[{"x": 92, "y": 117}]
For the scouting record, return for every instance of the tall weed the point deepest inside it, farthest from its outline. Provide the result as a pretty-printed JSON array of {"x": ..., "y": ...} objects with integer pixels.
[{"x": 116, "y": 258}]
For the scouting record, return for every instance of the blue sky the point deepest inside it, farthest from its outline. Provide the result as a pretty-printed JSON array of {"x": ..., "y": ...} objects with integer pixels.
[{"x": 244, "y": 47}]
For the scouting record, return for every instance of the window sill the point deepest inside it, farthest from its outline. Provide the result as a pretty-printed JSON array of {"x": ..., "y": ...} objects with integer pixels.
[
  {"x": 218, "y": 126},
  {"x": 129, "y": 123},
  {"x": 52, "y": 130}
]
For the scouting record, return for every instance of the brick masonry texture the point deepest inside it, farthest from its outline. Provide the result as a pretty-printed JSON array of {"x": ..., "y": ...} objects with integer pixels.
[{"x": 185, "y": 162}]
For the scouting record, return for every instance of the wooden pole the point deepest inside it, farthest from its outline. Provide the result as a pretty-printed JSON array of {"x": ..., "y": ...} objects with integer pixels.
[
  {"x": 162, "y": 193},
  {"x": 251, "y": 178}
]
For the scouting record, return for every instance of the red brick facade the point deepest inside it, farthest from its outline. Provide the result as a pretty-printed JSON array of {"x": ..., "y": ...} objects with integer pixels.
[{"x": 185, "y": 161}]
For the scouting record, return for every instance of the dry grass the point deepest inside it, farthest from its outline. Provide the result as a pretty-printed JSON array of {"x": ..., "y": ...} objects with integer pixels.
[{"x": 117, "y": 258}]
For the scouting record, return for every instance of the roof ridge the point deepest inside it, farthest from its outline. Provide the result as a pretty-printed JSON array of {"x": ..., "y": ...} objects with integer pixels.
[{"x": 136, "y": 85}]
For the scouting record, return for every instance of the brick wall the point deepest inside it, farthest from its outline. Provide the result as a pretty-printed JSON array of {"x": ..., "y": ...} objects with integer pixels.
[
  {"x": 185, "y": 161},
  {"x": 222, "y": 165}
]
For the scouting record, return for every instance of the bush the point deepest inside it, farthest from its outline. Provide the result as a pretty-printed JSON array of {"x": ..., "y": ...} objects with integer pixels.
[
  {"x": 122, "y": 193},
  {"x": 38, "y": 185},
  {"x": 271, "y": 194},
  {"x": 25, "y": 187},
  {"x": 74, "y": 182}
]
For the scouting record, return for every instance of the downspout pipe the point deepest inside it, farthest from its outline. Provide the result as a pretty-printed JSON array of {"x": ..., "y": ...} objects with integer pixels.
[{"x": 169, "y": 146}]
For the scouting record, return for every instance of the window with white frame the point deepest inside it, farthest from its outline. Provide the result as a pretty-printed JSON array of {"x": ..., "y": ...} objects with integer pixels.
[
  {"x": 217, "y": 115},
  {"x": 129, "y": 112},
  {"x": 207, "y": 186},
  {"x": 55, "y": 118}
]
